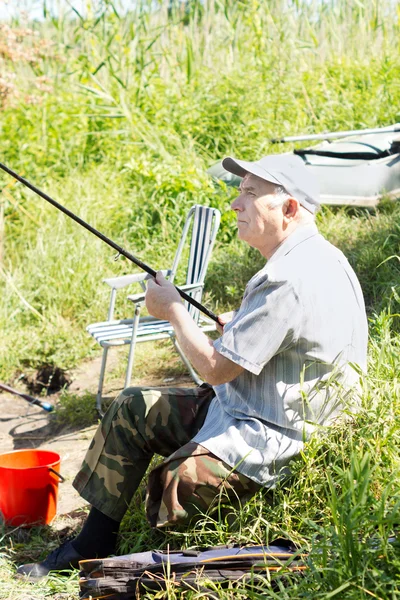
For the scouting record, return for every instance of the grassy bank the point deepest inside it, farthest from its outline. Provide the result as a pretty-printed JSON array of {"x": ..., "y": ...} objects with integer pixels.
[{"x": 118, "y": 116}]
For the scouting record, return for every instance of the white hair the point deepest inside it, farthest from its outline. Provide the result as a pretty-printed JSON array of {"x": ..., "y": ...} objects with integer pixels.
[{"x": 279, "y": 198}]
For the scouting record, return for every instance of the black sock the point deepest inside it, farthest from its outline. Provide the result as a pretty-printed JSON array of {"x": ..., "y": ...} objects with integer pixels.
[{"x": 98, "y": 537}]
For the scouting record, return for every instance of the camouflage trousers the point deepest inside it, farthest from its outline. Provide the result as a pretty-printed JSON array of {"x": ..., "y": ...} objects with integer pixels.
[{"x": 142, "y": 422}]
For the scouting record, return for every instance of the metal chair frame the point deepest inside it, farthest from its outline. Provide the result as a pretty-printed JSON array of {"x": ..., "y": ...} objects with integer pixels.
[{"x": 203, "y": 223}]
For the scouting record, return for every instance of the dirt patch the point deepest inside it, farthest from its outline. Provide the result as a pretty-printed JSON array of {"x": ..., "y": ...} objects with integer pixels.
[
  {"x": 23, "y": 425},
  {"x": 50, "y": 378}
]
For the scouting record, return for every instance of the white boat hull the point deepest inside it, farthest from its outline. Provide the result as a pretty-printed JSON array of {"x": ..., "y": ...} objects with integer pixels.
[{"x": 357, "y": 171}]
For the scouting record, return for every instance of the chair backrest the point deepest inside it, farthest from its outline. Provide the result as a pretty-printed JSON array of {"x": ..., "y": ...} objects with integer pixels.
[{"x": 205, "y": 223}]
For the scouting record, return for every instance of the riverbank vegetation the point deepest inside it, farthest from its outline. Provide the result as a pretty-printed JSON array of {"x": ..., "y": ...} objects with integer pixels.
[{"x": 118, "y": 115}]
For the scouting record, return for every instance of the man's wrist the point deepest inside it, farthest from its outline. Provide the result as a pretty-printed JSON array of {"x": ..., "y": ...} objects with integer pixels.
[{"x": 177, "y": 312}]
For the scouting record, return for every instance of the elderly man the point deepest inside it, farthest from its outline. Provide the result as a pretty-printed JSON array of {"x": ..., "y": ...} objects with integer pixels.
[{"x": 283, "y": 365}]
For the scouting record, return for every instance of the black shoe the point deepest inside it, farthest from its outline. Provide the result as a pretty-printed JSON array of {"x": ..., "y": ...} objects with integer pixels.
[{"x": 62, "y": 558}]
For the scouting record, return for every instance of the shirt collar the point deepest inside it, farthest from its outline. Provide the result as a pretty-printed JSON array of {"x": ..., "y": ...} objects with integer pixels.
[{"x": 299, "y": 235}]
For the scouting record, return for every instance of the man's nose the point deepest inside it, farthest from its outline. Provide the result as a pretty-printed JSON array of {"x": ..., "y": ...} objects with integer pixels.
[{"x": 236, "y": 203}]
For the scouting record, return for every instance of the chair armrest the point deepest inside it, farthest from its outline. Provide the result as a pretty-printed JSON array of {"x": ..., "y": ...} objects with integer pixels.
[
  {"x": 118, "y": 283},
  {"x": 135, "y": 298}
]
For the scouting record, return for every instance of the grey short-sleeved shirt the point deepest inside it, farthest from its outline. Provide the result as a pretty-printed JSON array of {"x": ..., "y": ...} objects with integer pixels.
[{"x": 298, "y": 333}]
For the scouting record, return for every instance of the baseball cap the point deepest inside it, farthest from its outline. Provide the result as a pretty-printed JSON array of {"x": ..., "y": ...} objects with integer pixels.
[{"x": 286, "y": 170}]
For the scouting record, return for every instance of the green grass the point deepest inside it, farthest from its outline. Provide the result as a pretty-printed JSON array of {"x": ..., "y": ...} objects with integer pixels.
[{"x": 118, "y": 117}]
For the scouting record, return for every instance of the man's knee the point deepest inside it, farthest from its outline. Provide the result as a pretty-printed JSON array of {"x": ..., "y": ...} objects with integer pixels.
[
  {"x": 149, "y": 417},
  {"x": 129, "y": 395},
  {"x": 145, "y": 405}
]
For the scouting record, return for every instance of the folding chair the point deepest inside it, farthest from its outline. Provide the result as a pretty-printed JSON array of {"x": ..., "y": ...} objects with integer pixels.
[{"x": 199, "y": 232}]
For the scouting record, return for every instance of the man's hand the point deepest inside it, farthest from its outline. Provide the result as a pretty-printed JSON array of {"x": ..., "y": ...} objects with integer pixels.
[
  {"x": 223, "y": 320},
  {"x": 163, "y": 301},
  {"x": 161, "y": 297}
]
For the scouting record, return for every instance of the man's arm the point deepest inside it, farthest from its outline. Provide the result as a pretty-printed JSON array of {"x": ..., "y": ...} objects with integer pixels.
[{"x": 164, "y": 302}]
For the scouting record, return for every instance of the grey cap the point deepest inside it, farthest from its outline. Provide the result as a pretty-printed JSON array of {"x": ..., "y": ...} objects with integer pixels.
[{"x": 286, "y": 170}]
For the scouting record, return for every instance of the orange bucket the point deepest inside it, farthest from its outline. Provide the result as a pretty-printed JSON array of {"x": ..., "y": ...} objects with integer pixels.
[{"x": 29, "y": 487}]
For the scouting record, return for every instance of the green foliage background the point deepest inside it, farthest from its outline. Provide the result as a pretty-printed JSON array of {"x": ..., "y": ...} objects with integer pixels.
[{"x": 118, "y": 116}]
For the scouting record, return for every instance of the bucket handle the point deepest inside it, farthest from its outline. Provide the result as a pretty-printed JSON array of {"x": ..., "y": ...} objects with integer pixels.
[{"x": 62, "y": 479}]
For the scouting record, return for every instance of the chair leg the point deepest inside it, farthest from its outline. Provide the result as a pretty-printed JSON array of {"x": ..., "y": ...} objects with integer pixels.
[
  {"x": 132, "y": 347},
  {"x": 101, "y": 382},
  {"x": 192, "y": 372}
]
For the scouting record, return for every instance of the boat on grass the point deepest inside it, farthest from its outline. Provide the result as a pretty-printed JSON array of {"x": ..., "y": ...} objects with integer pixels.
[{"x": 356, "y": 170}]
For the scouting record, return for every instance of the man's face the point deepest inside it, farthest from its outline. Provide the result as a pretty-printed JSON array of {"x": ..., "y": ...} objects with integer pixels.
[{"x": 258, "y": 225}]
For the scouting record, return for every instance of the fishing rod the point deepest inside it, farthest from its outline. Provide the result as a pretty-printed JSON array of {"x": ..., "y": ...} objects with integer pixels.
[
  {"x": 45, "y": 405},
  {"x": 331, "y": 135},
  {"x": 107, "y": 240}
]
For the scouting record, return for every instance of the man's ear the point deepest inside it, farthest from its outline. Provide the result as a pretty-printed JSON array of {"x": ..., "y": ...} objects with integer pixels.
[{"x": 291, "y": 208}]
